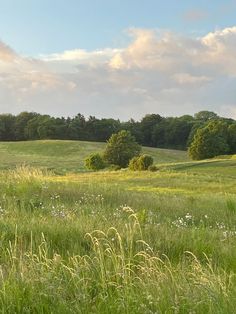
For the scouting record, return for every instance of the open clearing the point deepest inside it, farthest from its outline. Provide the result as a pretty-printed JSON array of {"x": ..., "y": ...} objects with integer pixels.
[{"x": 115, "y": 242}]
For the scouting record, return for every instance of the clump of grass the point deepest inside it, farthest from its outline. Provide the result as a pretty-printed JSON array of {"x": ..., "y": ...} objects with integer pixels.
[{"x": 26, "y": 173}]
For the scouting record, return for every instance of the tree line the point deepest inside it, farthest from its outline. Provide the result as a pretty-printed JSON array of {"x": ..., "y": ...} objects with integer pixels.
[{"x": 152, "y": 130}]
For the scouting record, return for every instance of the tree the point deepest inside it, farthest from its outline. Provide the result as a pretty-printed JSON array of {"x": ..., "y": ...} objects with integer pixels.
[
  {"x": 147, "y": 125},
  {"x": 7, "y": 127},
  {"x": 205, "y": 115},
  {"x": 21, "y": 123},
  {"x": 177, "y": 131},
  {"x": 33, "y": 126},
  {"x": 120, "y": 148},
  {"x": 141, "y": 163},
  {"x": 77, "y": 128},
  {"x": 197, "y": 125},
  {"x": 94, "y": 162},
  {"x": 232, "y": 138},
  {"x": 101, "y": 130},
  {"x": 135, "y": 129},
  {"x": 159, "y": 133},
  {"x": 208, "y": 142}
]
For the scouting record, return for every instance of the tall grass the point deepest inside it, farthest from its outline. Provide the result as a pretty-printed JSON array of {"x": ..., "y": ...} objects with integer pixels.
[
  {"x": 94, "y": 243},
  {"x": 121, "y": 274}
]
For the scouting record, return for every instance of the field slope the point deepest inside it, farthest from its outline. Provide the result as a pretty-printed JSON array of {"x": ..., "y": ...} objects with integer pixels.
[{"x": 67, "y": 156}]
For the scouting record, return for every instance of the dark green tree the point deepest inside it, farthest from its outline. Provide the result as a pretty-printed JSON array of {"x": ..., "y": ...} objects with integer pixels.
[
  {"x": 177, "y": 132},
  {"x": 77, "y": 128},
  {"x": 20, "y": 124},
  {"x": 206, "y": 115},
  {"x": 147, "y": 125},
  {"x": 7, "y": 127},
  {"x": 32, "y": 129},
  {"x": 135, "y": 129},
  {"x": 232, "y": 138},
  {"x": 101, "y": 130},
  {"x": 120, "y": 148},
  {"x": 208, "y": 142}
]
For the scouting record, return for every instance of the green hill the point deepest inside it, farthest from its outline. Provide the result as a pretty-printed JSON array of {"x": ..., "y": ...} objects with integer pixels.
[
  {"x": 223, "y": 166},
  {"x": 67, "y": 156}
]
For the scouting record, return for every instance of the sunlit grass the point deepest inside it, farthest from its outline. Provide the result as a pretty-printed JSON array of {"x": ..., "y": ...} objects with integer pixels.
[
  {"x": 67, "y": 156},
  {"x": 117, "y": 242}
]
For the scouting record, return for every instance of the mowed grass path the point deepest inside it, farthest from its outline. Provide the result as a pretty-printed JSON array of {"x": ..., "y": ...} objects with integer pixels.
[{"x": 67, "y": 156}]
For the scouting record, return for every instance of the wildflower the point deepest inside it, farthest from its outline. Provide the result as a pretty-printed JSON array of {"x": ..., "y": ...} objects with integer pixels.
[{"x": 188, "y": 216}]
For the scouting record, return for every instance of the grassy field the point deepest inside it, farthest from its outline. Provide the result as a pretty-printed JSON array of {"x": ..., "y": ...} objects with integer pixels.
[
  {"x": 115, "y": 242},
  {"x": 66, "y": 156}
]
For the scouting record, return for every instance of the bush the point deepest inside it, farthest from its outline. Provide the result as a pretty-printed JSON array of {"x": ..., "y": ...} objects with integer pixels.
[
  {"x": 145, "y": 161},
  {"x": 133, "y": 164},
  {"x": 120, "y": 148},
  {"x": 152, "y": 168},
  {"x": 94, "y": 162},
  {"x": 140, "y": 163}
]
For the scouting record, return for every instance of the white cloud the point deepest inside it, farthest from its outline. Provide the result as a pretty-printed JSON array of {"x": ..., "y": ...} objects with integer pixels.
[
  {"x": 188, "y": 79},
  {"x": 159, "y": 71},
  {"x": 6, "y": 53}
]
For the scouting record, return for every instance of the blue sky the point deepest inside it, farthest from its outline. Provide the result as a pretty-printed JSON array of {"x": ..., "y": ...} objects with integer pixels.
[
  {"x": 118, "y": 59},
  {"x": 34, "y": 27}
]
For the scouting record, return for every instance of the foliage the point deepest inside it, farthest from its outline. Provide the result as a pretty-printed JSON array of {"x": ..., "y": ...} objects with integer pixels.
[
  {"x": 7, "y": 126},
  {"x": 232, "y": 138},
  {"x": 172, "y": 132},
  {"x": 205, "y": 115},
  {"x": 152, "y": 168},
  {"x": 114, "y": 167},
  {"x": 133, "y": 163},
  {"x": 208, "y": 142},
  {"x": 120, "y": 148},
  {"x": 152, "y": 130},
  {"x": 147, "y": 125},
  {"x": 141, "y": 163},
  {"x": 94, "y": 162},
  {"x": 145, "y": 161}
]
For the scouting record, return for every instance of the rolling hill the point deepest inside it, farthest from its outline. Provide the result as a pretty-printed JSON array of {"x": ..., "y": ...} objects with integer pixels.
[{"x": 67, "y": 156}]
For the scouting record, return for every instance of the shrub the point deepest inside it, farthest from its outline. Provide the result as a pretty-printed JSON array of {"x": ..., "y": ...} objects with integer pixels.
[
  {"x": 133, "y": 164},
  {"x": 152, "y": 168},
  {"x": 140, "y": 163},
  {"x": 120, "y": 148},
  {"x": 94, "y": 162},
  {"x": 144, "y": 162}
]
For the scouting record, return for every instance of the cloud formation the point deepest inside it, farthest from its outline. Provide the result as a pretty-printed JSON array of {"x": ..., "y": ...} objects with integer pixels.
[{"x": 159, "y": 71}]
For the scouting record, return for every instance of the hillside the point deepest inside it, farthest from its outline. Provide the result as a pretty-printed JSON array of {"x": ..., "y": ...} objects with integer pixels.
[
  {"x": 224, "y": 166},
  {"x": 67, "y": 156}
]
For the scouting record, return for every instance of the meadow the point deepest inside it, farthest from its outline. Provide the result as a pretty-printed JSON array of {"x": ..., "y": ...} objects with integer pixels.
[
  {"x": 115, "y": 241},
  {"x": 66, "y": 156}
]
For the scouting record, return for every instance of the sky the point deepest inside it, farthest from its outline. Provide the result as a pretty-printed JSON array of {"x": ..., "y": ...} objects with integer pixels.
[{"x": 118, "y": 59}]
